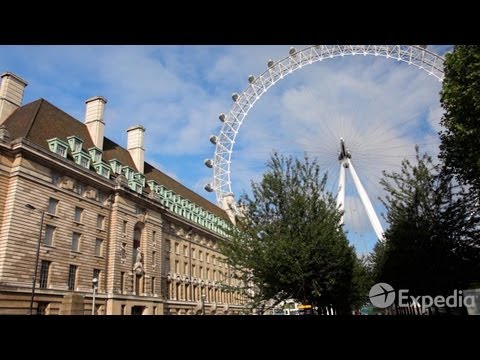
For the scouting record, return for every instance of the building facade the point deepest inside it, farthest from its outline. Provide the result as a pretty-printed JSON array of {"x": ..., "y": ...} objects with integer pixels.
[{"x": 75, "y": 206}]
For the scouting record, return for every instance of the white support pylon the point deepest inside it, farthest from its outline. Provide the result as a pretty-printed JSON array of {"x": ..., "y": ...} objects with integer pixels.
[
  {"x": 341, "y": 191},
  {"x": 344, "y": 157},
  {"x": 367, "y": 204}
]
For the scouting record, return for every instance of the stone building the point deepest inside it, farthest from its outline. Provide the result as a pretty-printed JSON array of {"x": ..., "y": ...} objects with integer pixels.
[{"x": 102, "y": 212}]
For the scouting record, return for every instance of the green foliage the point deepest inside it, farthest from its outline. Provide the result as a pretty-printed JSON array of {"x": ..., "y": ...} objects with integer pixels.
[
  {"x": 460, "y": 97},
  {"x": 432, "y": 245},
  {"x": 289, "y": 244}
]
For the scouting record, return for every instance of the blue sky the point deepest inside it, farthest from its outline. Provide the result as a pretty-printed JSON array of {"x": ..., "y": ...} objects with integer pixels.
[{"x": 381, "y": 107}]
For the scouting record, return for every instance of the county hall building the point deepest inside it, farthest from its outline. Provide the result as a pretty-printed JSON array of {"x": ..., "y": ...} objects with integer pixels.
[{"x": 81, "y": 207}]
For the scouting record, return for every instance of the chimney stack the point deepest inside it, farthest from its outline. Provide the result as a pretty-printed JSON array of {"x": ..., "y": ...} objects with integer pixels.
[
  {"x": 94, "y": 119},
  {"x": 11, "y": 94},
  {"x": 135, "y": 146}
]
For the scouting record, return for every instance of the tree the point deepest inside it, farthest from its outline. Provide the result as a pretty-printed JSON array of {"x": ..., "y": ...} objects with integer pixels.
[
  {"x": 432, "y": 244},
  {"x": 289, "y": 244},
  {"x": 460, "y": 98}
]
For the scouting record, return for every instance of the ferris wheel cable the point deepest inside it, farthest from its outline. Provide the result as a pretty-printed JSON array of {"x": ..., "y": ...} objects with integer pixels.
[
  {"x": 382, "y": 114},
  {"x": 416, "y": 116},
  {"x": 395, "y": 127},
  {"x": 377, "y": 172},
  {"x": 361, "y": 214},
  {"x": 373, "y": 145},
  {"x": 380, "y": 154},
  {"x": 378, "y": 144},
  {"x": 314, "y": 144},
  {"x": 414, "y": 130},
  {"x": 380, "y": 157},
  {"x": 332, "y": 134},
  {"x": 377, "y": 157}
]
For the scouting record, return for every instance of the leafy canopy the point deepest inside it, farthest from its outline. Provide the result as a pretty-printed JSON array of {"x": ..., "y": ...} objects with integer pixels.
[{"x": 289, "y": 244}]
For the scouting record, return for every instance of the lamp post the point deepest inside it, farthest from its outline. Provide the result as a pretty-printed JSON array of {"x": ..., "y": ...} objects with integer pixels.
[
  {"x": 31, "y": 207},
  {"x": 94, "y": 284},
  {"x": 203, "y": 304}
]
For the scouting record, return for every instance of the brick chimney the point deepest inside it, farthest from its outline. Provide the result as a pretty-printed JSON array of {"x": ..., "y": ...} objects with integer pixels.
[
  {"x": 135, "y": 145},
  {"x": 94, "y": 119},
  {"x": 11, "y": 94}
]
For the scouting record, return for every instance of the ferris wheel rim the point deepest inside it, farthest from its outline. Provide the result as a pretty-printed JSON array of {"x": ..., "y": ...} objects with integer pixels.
[{"x": 415, "y": 55}]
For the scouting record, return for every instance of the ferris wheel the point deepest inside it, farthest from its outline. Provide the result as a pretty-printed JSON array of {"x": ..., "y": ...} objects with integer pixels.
[{"x": 346, "y": 158}]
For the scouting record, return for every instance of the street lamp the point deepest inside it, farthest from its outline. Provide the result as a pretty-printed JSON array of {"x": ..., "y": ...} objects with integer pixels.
[
  {"x": 94, "y": 284},
  {"x": 203, "y": 304},
  {"x": 31, "y": 207}
]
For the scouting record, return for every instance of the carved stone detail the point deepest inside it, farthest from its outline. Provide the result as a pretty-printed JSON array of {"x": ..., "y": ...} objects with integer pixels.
[
  {"x": 91, "y": 193},
  {"x": 66, "y": 183},
  {"x": 121, "y": 180}
]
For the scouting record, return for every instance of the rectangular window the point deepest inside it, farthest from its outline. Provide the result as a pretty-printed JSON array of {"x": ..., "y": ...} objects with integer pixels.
[
  {"x": 52, "y": 206},
  {"x": 98, "y": 247},
  {"x": 44, "y": 272},
  {"x": 61, "y": 150},
  {"x": 193, "y": 253},
  {"x": 177, "y": 248},
  {"x": 201, "y": 272},
  {"x": 194, "y": 270},
  {"x": 208, "y": 274},
  {"x": 177, "y": 266},
  {"x": 72, "y": 276},
  {"x": 78, "y": 214},
  {"x": 208, "y": 257},
  {"x": 96, "y": 275},
  {"x": 215, "y": 275},
  {"x": 100, "y": 221},
  {"x": 200, "y": 255},
  {"x": 124, "y": 229},
  {"x": 167, "y": 246},
  {"x": 153, "y": 285},
  {"x": 154, "y": 237},
  {"x": 122, "y": 282},
  {"x": 84, "y": 162},
  {"x": 185, "y": 268},
  {"x": 154, "y": 258},
  {"x": 79, "y": 188},
  {"x": 49, "y": 235},
  {"x": 56, "y": 179},
  {"x": 105, "y": 172},
  {"x": 75, "y": 241},
  {"x": 185, "y": 250},
  {"x": 102, "y": 197}
]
